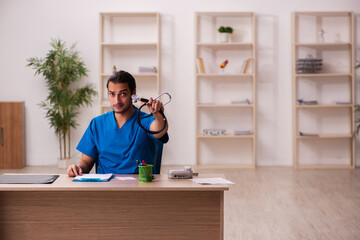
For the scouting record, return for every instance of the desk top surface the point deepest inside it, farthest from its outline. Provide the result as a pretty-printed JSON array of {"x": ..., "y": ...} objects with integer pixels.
[{"x": 160, "y": 183}]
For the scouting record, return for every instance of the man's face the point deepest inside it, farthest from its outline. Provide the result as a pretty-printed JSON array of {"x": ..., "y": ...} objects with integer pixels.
[{"x": 120, "y": 97}]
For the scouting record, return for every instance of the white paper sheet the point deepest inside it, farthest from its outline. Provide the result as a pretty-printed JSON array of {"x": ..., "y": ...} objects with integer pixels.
[
  {"x": 211, "y": 181},
  {"x": 126, "y": 178}
]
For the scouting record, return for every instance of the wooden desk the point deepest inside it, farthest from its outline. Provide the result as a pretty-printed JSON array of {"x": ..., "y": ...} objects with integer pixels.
[{"x": 164, "y": 209}]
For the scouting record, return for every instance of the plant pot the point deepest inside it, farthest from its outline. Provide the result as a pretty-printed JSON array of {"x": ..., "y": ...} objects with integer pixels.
[
  {"x": 225, "y": 37},
  {"x": 64, "y": 163}
]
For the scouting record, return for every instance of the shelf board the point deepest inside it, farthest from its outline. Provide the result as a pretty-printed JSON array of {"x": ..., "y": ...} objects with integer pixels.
[
  {"x": 137, "y": 75},
  {"x": 215, "y": 75},
  {"x": 340, "y": 44},
  {"x": 324, "y": 106},
  {"x": 323, "y": 75},
  {"x": 111, "y": 44},
  {"x": 224, "y": 105},
  {"x": 324, "y": 14},
  {"x": 326, "y": 136},
  {"x": 226, "y": 136},
  {"x": 130, "y": 14},
  {"x": 225, "y": 14},
  {"x": 323, "y": 166},
  {"x": 222, "y": 45}
]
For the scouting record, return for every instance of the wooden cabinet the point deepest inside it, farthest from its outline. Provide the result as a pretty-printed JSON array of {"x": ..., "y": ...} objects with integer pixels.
[
  {"x": 225, "y": 96},
  {"x": 12, "y": 132},
  {"x": 131, "y": 42},
  {"x": 323, "y": 89}
]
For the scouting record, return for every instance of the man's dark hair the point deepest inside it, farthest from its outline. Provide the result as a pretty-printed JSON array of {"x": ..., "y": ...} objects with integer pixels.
[{"x": 122, "y": 77}]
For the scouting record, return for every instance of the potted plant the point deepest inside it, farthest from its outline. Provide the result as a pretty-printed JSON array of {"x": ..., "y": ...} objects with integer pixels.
[
  {"x": 61, "y": 68},
  {"x": 225, "y": 33}
]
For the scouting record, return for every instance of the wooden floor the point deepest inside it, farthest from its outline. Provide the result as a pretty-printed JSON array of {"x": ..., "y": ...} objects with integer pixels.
[{"x": 283, "y": 203}]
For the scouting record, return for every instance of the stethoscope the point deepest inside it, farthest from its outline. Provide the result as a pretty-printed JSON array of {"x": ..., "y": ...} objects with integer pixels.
[{"x": 136, "y": 98}]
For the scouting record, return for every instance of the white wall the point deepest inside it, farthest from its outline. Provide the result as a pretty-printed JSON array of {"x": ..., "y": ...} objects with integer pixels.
[{"x": 27, "y": 26}]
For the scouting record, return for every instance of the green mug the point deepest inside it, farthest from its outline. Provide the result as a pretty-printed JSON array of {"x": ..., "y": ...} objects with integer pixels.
[{"x": 145, "y": 173}]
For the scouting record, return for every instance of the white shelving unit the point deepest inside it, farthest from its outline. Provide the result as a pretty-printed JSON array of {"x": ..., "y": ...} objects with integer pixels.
[
  {"x": 128, "y": 41},
  {"x": 328, "y": 125},
  {"x": 216, "y": 90}
]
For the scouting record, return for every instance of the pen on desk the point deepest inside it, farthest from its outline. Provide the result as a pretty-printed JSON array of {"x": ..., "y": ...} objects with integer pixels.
[{"x": 147, "y": 172}]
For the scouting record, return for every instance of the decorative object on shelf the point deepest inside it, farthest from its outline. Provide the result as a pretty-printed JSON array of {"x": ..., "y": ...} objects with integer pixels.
[
  {"x": 308, "y": 64},
  {"x": 214, "y": 132},
  {"x": 223, "y": 65},
  {"x": 114, "y": 69},
  {"x": 143, "y": 69},
  {"x": 311, "y": 102},
  {"x": 62, "y": 67},
  {"x": 200, "y": 65},
  {"x": 225, "y": 34},
  {"x": 322, "y": 35}
]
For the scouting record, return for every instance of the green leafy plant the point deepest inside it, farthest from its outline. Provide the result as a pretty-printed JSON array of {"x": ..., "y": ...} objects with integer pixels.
[
  {"x": 223, "y": 29},
  {"x": 62, "y": 68}
]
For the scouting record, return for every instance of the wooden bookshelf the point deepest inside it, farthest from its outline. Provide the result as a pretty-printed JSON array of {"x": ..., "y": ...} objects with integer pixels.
[
  {"x": 216, "y": 89},
  {"x": 329, "y": 36},
  {"x": 128, "y": 40}
]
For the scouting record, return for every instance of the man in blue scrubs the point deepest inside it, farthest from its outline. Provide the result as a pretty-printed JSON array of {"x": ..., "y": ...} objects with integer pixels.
[{"x": 114, "y": 140}]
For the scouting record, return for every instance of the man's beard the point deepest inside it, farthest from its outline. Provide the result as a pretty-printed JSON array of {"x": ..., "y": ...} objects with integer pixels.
[{"x": 124, "y": 110}]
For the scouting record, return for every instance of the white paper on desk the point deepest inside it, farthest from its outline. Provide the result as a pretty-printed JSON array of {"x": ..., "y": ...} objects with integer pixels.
[
  {"x": 211, "y": 181},
  {"x": 102, "y": 177},
  {"x": 126, "y": 178}
]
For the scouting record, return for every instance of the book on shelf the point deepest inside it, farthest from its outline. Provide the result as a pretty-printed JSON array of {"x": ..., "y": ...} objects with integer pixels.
[
  {"x": 307, "y": 102},
  {"x": 143, "y": 69},
  {"x": 308, "y": 134},
  {"x": 342, "y": 102},
  {"x": 246, "y": 66},
  {"x": 243, "y": 101},
  {"x": 200, "y": 65},
  {"x": 243, "y": 66},
  {"x": 242, "y": 132},
  {"x": 206, "y": 103}
]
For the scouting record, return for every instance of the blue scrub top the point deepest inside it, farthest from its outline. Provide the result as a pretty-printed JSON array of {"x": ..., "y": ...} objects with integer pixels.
[{"x": 117, "y": 150}]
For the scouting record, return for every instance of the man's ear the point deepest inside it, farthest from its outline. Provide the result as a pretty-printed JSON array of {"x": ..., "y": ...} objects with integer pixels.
[{"x": 134, "y": 92}]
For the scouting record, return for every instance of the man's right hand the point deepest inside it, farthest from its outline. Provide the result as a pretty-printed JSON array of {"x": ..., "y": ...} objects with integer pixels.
[{"x": 73, "y": 170}]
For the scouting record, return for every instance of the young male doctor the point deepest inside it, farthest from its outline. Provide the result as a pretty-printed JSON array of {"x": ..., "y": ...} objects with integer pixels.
[{"x": 114, "y": 140}]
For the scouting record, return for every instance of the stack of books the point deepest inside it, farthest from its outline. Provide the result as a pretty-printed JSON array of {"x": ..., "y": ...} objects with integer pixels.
[{"x": 143, "y": 69}]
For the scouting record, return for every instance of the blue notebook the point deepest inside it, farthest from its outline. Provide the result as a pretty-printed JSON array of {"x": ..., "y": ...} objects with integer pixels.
[{"x": 93, "y": 178}]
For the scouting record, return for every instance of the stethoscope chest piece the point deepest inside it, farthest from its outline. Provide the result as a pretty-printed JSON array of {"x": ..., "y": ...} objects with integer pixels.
[{"x": 135, "y": 98}]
